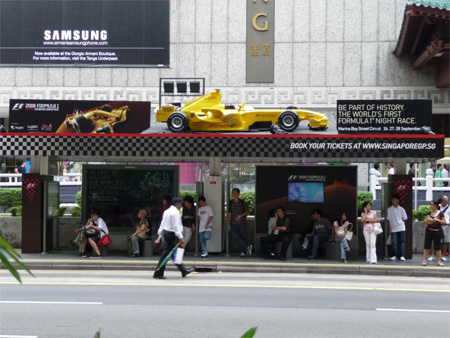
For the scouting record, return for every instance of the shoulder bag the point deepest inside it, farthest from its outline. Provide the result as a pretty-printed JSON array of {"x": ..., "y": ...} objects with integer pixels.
[
  {"x": 349, "y": 234},
  {"x": 377, "y": 229},
  {"x": 105, "y": 240}
]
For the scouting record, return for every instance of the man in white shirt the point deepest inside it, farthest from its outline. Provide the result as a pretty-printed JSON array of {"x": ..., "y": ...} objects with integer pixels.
[
  {"x": 445, "y": 209},
  {"x": 396, "y": 217},
  {"x": 171, "y": 229},
  {"x": 390, "y": 167}
]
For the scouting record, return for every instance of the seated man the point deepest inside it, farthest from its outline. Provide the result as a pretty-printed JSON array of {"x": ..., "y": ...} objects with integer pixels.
[
  {"x": 281, "y": 232},
  {"x": 141, "y": 232},
  {"x": 322, "y": 231}
]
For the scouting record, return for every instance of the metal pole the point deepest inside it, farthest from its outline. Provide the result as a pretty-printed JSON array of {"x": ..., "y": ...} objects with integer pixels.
[
  {"x": 44, "y": 215},
  {"x": 227, "y": 199},
  {"x": 415, "y": 186},
  {"x": 199, "y": 192}
]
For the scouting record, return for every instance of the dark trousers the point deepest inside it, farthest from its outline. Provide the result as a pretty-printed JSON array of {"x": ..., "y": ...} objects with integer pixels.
[
  {"x": 396, "y": 239},
  {"x": 170, "y": 241},
  {"x": 271, "y": 240},
  {"x": 240, "y": 235}
]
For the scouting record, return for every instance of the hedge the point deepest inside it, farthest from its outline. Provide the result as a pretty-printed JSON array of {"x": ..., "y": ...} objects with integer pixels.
[
  {"x": 11, "y": 197},
  {"x": 78, "y": 198},
  {"x": 364, "y": 196}
]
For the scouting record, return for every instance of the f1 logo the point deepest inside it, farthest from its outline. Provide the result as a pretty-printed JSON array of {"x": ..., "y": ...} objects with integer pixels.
[{"x": 18, "y": 106}]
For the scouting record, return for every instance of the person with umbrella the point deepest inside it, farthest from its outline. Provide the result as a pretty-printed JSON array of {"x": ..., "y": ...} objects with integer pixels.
[{"x": 171, "y": 230}]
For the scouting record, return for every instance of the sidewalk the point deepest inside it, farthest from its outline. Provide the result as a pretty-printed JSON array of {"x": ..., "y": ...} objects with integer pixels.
[{"x": 69, "y": 260}]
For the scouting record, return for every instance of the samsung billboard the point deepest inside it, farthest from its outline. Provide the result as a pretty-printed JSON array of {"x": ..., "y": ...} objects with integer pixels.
[{"x": 109, "y": 33}]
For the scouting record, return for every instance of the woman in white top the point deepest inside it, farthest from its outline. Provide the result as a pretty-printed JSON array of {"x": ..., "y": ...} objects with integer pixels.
[
  {"x": 340, "y": 230},
  {"x": 368, "y": 218},
  {"x": 93, "y": 223}
]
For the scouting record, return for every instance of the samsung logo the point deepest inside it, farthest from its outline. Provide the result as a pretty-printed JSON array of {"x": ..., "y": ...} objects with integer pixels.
[{"x": 76, "y": 35}]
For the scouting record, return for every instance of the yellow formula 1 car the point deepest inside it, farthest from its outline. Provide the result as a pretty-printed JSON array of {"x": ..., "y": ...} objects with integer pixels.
[
  {"x": 207, "y": 113},
  {"x": 95, "y": 121}
]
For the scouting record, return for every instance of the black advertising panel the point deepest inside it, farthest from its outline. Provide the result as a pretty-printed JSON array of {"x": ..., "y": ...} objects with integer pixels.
[
  {"x": 85, "y": 33},
  {"x": 120, "y": 191},
  {"x": 76, "y": 116},
  {"x": 303, "y": 189},
  {"x": 383, "y": 116}
]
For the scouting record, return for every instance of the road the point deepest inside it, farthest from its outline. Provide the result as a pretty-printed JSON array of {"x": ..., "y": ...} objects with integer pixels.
[{"x": 132, "y": 304}]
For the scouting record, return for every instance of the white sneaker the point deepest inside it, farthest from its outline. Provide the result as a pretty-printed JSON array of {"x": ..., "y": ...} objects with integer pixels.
[
  {"x": 424, "y": 263},
  {"x": 393, "y": 258},
  {"x": 430, "y": 258},
  {"x": 444, "y": 259},
  {"x": 440, "y": 263},
  {"x": 204, "y": 255},
  {"x": 402, "y": 259}
]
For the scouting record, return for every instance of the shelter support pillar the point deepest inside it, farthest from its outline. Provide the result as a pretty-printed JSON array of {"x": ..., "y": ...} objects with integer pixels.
[
  {"x": 215, "y": 166},
  {"x": 39, "y": 164},
  {"x": 400, "y": 166}
]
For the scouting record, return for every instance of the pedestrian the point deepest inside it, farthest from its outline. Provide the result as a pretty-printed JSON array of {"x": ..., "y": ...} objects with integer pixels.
[
  {"x": 21, "y": 169},
  {"x": 171, "y": 230},
  {"x": 390, "y": 168},
  {"x": 205, "y": 217},
  {"x": 437, "y": 175},
  {"x": 376, "y": 166},
  {"x": 433, "y": 233},
  {"x": 140, "y": 234},
  {"x": 188, "y": 218},
  {"x": 444, "y": 174},
  {"x": 412, "y": 172},
  {"x": 237, "y": 222},
  {"x": 340, "y": 231},
  {"x": 396, "y": 217},
  {"x": 368, "y": 218},
  {"x": 444, "y": 208}
]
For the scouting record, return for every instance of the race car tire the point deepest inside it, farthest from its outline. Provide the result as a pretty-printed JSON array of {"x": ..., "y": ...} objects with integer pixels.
[
  {"x": 289, "y": 120},
  {"x": 107, "y": 108},
  {"x": 177, "y": 122}
]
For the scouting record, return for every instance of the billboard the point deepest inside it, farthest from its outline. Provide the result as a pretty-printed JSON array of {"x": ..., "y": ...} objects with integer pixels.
[
  {"x": 76, "y": 116},
  {"x": 383, "y": 116},
  {"x": 85, "y": 33}
]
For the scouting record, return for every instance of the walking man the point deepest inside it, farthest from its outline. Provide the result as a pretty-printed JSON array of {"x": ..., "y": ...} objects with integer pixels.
[
  {"x": 237, "y": 223},
  {"x": 396, "y": 217},
  {"x": 171, "y": 230}
]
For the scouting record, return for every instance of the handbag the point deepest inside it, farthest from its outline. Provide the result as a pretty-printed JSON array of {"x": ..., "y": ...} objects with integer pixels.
[
  {"x": 349, "y": 234},
  {"x": 389, "y": 240},
  {"x": 105, "y": 240},
  {"x": 377, "y": 229}
]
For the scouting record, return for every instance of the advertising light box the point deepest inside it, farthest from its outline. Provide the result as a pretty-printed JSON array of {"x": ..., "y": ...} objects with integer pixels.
[
  {"x": 77, "y": 116},
  {"x": 383, "y": 116},
  {"x": 85, "y": 33}
]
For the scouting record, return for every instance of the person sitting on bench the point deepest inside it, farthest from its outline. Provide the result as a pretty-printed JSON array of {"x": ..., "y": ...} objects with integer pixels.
[
  {"x": 141, "y": 232},
  {"x": 321, "y": 232},
  {"x": 281, "y": 232}
]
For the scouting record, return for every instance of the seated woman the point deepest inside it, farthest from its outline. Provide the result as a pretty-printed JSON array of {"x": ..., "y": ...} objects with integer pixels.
[
  {"x": 94, "y": 229},
  {"x": 340, "y": 230},
  {"x": 281, "y": 232},
  {"x": 141, "y": 232}
]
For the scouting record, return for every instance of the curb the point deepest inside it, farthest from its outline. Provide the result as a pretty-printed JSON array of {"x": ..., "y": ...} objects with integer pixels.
[{"x": 350, "y": 269}]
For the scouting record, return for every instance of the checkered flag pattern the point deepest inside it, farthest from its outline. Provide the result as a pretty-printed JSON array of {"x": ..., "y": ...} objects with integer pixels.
[
  {"x": 223, "y": 145},
  {"x": 31, "y": 185},
  {"x": 402, "y": 188}
]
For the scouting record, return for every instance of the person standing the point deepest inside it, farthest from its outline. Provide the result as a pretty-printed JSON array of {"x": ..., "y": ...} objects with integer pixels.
[
  {"x": 205, "y": 216},
  {"x": 141, "y": 232},
  {"x": 376, "y": 166},
  {"x": 396, "y": 217},
  {"x": 390, "y": 168},
  {"x": 437, "y": 175},
  {"x": 444, "y": 208},
  {"x": 433, "y": 233},
  {"x": 171, "y": 230},
  {"x": 412, "y": 172},
  {"x": 21, "y": 169},
  {"x": 188, "y": 218},
  {"x": 237, "y": 223},
  {"x": 368, "y": 218},
  {"x": 444, "y": 174}
]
